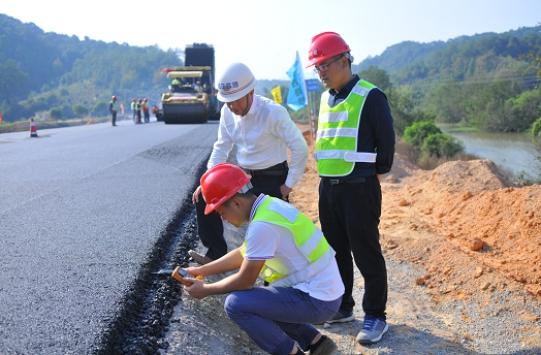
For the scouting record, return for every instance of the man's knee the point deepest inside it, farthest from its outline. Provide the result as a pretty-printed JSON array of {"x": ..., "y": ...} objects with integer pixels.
[{"x": 233, "y": 305}]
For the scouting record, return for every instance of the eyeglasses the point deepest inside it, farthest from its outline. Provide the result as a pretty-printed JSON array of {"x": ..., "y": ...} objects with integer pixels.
[{"x": 325, "y": 66}]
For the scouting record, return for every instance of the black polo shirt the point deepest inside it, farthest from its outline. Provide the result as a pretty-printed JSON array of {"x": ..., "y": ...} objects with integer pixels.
[{"x": 376, "y": 133}]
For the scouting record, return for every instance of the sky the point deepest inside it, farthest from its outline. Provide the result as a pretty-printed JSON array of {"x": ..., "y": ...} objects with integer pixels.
[{"x": 266, "y": 34}]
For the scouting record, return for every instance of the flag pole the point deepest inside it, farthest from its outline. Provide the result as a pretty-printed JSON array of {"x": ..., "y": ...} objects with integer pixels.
[{"x": 312, "y": 115}]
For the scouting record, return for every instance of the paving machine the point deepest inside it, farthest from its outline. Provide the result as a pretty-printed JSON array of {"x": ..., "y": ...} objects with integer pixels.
[{"x": 191, "y": 97}]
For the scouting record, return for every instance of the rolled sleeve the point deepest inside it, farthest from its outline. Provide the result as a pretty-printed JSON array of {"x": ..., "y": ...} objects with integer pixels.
[
  {"x": 223, "y": 144},
  {"x": 286, "y": 129}
]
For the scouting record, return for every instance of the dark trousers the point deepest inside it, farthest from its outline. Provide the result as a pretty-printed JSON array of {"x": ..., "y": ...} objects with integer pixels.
[
  {"x": 349, "y": 213},
  {"x": 113, "y": 118},
  {"x": 210, "y": 227}
]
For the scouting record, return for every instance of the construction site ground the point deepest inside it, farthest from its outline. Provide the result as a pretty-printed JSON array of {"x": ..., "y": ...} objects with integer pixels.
[{"x": 463, "y": 253}]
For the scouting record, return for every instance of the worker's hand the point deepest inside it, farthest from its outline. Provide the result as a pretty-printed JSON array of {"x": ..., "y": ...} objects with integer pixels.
[
  {"x": 197, "y": 289},
  {"x": 196, "y": 193},
  {"x": 285, "y": 190},
  {"x": 195, "y": 271}
]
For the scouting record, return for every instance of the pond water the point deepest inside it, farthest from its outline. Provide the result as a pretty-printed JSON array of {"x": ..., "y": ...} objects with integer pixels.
[{"x": 515, "y": 152}]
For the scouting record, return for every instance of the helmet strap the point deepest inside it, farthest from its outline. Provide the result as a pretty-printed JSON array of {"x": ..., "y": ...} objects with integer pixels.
[{"x": 246, "y": 188}]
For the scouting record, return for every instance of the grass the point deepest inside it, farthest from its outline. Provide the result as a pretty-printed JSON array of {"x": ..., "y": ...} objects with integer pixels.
[{"x": 458, "y": 128}]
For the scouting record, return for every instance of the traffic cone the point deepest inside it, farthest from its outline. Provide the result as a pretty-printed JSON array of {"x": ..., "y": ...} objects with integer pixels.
[{"x": 33, "y": 128}]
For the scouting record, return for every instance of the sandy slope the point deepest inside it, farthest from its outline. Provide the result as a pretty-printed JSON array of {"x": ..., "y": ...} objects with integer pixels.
[{"x": 459, "y": 237}]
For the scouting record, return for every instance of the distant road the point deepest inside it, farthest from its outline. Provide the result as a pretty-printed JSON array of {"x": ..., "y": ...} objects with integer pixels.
[{"x": 80, "y": 208}]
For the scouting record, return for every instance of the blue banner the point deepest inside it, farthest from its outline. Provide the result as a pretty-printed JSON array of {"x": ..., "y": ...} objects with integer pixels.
[{"x": 296, "y": 97}]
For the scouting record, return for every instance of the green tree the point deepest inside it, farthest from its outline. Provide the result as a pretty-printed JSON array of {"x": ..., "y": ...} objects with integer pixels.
[
  {"x": 56, "y": 113},
  {"x": 12, "y": 80},
  {"x": 80, "y": 110},
  {"x": 416, "y": 133},
  {"x": 100, "y": 109},
  {"x": 377, "y": 76},
  {"x": 536, "y": 128},
  {"x": 488, "y": 80},
  {"x": 405, "y": 108},
  {"x": 441, "y": 145},
  {"x": 35, "y": 65}
]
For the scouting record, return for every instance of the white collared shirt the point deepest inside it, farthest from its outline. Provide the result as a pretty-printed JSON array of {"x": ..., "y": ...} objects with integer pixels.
[{"x": 262, "y": 138}]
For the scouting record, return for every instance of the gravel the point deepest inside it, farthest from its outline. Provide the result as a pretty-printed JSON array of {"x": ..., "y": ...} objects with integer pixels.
[{"x": 417, "y": 323}]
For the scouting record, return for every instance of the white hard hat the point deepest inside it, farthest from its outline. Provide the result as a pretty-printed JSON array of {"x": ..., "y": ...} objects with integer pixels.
[{"x": 236, "y": 82}]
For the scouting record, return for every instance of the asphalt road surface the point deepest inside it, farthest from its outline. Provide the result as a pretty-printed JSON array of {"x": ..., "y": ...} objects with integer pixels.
[{"x": 80, "y": 209}]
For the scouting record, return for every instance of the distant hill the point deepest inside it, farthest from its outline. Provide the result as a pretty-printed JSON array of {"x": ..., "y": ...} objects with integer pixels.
[
  {"x": 460, "y": 58},
  {"x": 43, "y": 72},
  {"x": 490, "y": 80},
  {"x": 399, "y": 56}
]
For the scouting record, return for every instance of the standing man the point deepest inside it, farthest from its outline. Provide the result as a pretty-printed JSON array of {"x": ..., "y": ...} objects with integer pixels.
[
  {"x": 133, "y": 106},
  {"x": 146, "y": 113},
  {"x": 354, "y": 146},
  {"x": 138, "y": 107},
  {"x": 288, "y": 251},
  {"x": 262, "y": 132},
  {"x": 113, "y": 110}
]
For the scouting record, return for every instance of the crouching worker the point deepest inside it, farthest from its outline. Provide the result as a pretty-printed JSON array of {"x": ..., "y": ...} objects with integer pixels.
[{"x": 288, "y": 251}]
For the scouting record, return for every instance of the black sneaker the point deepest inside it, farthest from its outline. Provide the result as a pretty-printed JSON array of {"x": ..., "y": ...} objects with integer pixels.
[
  {"x": 324, "y": 346},
  {"x": 341, "y": 317}
]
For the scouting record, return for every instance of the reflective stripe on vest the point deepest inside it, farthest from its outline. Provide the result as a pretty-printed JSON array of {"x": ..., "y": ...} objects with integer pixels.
[
  {"x": 337, "y": 136},
  {"x": 337, "y": 132},
  {"x": 346, "y": 155},
  {"x": 306, "y": 236}
]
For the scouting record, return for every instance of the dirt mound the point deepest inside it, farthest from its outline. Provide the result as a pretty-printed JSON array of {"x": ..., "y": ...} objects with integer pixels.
[
  {"x": 473, "y": 176},
  {"x": 501, "y": 228},
  {"x": 459, "y": 220},
  {"x": 467, "y": 203}
]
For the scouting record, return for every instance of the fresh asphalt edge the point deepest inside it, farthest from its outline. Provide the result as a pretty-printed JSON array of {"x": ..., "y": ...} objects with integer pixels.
[{"x": 147, "y": 307}]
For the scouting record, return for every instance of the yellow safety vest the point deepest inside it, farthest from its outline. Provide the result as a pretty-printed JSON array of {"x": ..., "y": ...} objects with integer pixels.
[
  {"x": 337, "y": 133},
  {"x": 306, "y": 236}
]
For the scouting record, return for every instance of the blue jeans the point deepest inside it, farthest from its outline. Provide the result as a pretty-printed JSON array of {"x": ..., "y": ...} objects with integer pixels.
[{"x": 276, "y": 317}]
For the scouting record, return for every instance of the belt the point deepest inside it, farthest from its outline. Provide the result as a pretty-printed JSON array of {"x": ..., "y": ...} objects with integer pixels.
[
  {"x": 275, "y": 170},
  {"x": 337, "y": 181}
]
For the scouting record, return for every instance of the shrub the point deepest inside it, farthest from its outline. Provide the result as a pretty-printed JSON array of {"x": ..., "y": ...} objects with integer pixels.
[
  {"x": 441, "y": 145},
  {"x": 416, "y": 133},
  {"x": 56, "y": 113},
  {"x": 80, "y": 110},
  {"x": 536, "y": 128}
]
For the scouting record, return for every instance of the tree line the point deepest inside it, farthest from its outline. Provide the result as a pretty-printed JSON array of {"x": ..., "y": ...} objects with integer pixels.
[
  {"x": 63, "y": 76},
  {"x": 490, "y": 81}
]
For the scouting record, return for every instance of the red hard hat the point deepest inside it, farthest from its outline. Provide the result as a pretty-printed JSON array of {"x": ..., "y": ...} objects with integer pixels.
[
  {"x": 324, "y": 46},
  {"x": 220, "y": 183},
  {"x": 114, "y": 97}
]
